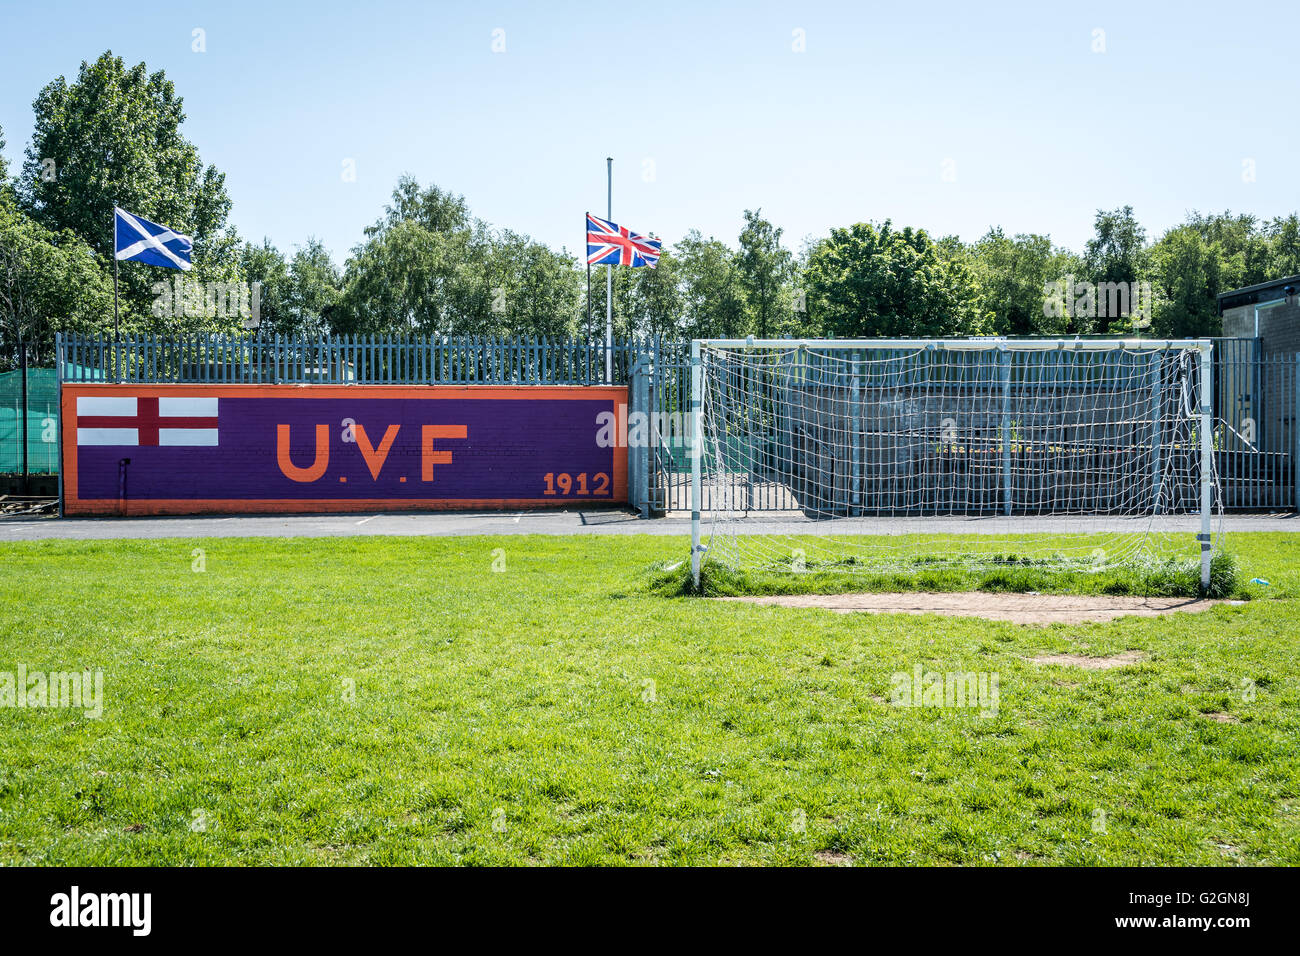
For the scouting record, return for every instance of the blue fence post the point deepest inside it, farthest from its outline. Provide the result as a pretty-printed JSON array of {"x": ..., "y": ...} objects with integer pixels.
[{"x": 640, "y": 383}]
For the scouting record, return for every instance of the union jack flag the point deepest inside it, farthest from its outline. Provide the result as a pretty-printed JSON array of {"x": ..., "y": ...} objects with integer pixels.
[{"x": 609, "y": 244}]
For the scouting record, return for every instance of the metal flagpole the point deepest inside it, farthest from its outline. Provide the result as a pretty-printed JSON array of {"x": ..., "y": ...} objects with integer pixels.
[
  {"x": 609, "y": 281},
  {"x": 115, "y": 326},
  {"x": 22, "y": 347},
  {"x": 117, "y": 355},
  {"x": 586, "y": 225}
]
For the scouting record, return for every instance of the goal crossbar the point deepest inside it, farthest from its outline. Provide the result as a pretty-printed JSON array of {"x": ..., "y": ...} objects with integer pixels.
[{"x": 967, "y": 344}]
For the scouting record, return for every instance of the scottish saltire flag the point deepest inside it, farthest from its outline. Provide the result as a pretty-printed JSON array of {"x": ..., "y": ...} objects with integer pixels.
[
  {"x": 609, "y": 244},
  {"x": 140, "y": 240}
]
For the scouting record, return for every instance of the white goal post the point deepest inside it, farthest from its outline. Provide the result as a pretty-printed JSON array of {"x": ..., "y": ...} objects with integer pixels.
[{"x": 874, "y": 454}]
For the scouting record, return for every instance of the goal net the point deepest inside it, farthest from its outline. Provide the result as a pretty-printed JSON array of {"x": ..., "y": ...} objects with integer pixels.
[{"x": 875, "y": 455}]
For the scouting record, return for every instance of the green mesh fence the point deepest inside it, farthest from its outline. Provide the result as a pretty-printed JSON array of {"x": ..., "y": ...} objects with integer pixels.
[{"x": 42, "y": 422}]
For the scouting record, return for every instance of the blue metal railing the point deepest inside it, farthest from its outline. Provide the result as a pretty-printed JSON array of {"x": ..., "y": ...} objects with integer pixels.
[
  {"x": 1256, "y": 403},
  {"x": 351, "y": 359}
]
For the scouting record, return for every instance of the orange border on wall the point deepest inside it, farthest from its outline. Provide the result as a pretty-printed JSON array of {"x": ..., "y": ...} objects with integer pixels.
[{"x": 178, "y": 506}]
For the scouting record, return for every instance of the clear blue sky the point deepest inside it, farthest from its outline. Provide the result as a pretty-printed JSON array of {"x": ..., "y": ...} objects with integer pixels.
[{"x": 1041, "y": 130}]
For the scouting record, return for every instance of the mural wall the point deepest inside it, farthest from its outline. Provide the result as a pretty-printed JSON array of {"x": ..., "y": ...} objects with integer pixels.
[{"x": 189, "y": 449}]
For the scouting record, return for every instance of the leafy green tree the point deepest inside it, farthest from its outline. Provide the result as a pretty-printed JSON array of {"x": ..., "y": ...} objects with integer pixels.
[
  {"x": 647, "y": 301},
  {"x": 534, "y": 290},
  {"x": 625, "y": 317},
  {"x": 1116, "y": 253},
  {"x": 1241, "y": 246},
  {"x": 49, "y": 282},
  {"x": 403, "y": 282},
  {"x": 1208, "y": 254},
  {"x": 427, "y": 267},
  {"x": 1283, "y": 234},
  {"x": 1189, "y": 272},
  {"x": 265, "y": 264},
  {"x": 434, "y": 209},
  {"x": 657, "y": 298},
  {"x": 712, "y": 298},
  {"x": 874, "y": 281},
  {"x": 766, "y": 268},
  {"x": 1013, "y": 275},
  {"x": 313, "y": 290},
  {"x": 113, "y": 136},
  {"x": 422, "y": 269}
]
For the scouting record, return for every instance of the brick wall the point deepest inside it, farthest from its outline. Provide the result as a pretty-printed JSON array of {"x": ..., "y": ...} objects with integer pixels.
[
  {"x": 1279, "y": 327},
  {"x": 1268, "y": 391},
  {"x": 189, "y": 449}
]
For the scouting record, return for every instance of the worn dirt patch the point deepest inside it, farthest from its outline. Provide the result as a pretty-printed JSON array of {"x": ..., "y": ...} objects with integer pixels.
[
  {"x": 1090, "y": 663},
  {"x": 833, "y": 858},
  {"x": 1017, "y": 608}
]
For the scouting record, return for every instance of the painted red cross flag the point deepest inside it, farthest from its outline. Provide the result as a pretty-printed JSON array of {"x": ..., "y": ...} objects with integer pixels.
[{"x": 147, "y": 420}]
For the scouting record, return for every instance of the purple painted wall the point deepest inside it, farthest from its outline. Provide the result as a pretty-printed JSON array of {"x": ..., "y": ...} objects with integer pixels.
[{"x": 303, "y": 448}]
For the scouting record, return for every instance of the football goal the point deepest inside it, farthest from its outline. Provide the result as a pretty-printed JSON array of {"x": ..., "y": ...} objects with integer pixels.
[{"x": 877, "y": 454}]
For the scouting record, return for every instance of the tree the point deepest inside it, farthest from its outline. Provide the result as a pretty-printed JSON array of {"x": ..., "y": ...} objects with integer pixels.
[
  {"x": 400, "y": 282},
  {"x": 1208, "y": 254},
  {"x": 1240, "y": 244},
  {"x": 765, "y": 272},
  {"x": 1115, "y": 254},
  {"x": 427, "y": 267},
  {"x": 712, "y": 300},
  {"x": 657, "y": 298},
  {"x": 646, "y": 301},
  {"x": 312, "y": 291},
  {"x": 49, "y": 282},
  {"x": 422, "y": 269},
  {"x": 872, "y": 281},
  {"x": 1284, "y": 246},
  {"x": 265, "y": 265},
  {"x": 1189, "y": 274},
  {"x": 1013, "y": 274},
  {"x": 624, "y": 282},
  {"x": 113, "y": 137},
  {"x": 433, "y": 208},
  {"x": 534, "y": 290}
]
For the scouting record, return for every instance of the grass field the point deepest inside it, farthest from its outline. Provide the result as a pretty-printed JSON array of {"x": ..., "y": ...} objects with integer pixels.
[
  {"x": 395, "y": 700},
  {"x": 931, "y": 569}
]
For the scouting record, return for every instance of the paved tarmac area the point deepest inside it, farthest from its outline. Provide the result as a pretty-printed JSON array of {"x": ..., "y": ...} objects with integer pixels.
[{"x": 577, "y": 521}]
